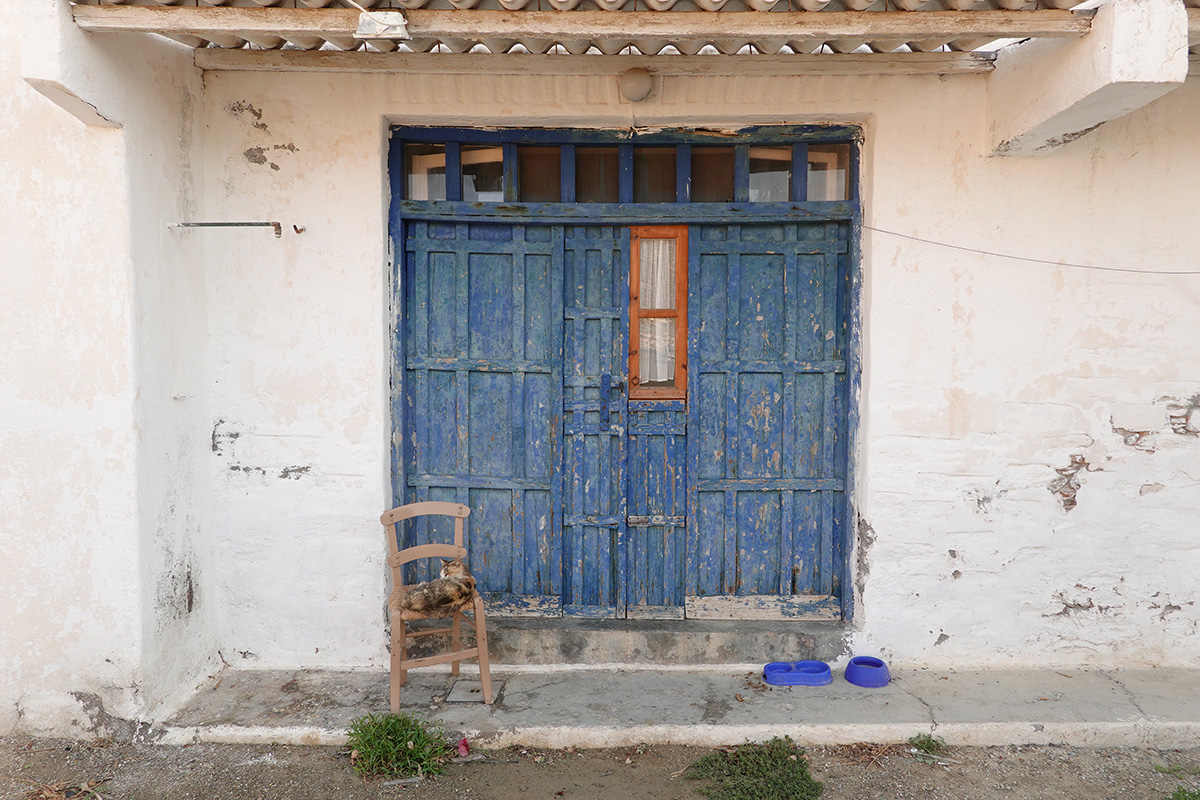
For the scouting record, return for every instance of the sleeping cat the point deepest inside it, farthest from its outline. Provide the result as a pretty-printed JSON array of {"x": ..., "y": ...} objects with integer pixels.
[{"x": 438, "y": 597}]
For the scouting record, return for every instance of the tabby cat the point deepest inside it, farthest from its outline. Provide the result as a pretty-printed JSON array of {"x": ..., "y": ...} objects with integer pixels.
[{"x": 438, "y": 597}]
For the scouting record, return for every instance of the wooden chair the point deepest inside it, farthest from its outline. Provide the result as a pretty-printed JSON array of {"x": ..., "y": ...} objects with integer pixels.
[{"x": 401, "y": 636}]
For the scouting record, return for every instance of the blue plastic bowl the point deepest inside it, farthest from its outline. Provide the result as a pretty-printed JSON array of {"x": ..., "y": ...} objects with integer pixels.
[
  {"x": 798, "y": 673},
  {"x": 867, "y": 671}
]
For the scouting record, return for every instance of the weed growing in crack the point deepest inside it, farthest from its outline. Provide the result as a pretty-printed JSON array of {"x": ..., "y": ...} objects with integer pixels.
[
  {"x": 927, "y": 744},
  {"x": 398, "y": 746},
  {"x": 776, "y": 770}
]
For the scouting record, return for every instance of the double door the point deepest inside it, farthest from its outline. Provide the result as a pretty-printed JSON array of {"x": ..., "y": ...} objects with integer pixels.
[{"x": 723, "y": 498}]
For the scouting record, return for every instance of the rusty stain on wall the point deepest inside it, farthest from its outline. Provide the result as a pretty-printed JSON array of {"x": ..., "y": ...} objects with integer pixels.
[
  {"x": 258, "y": 155},
  {"x": 175, "y": 592},
  {"x": 1166, "y": 607},
  {"x": 242, "y": 108},
  {"x": 1081, "y": 598},
  {"x": 224, "y": 438}
]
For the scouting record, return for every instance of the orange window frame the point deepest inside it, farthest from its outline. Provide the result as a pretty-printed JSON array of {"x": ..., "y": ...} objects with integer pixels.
[{"x": 679, "y": 313}]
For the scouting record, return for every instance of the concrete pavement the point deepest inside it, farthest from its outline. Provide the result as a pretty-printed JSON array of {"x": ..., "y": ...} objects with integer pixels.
[{"x": 616, "y": 706}]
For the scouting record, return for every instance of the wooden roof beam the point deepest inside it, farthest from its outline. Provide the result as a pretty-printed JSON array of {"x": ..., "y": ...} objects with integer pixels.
[
  {"x": 288, "y": 23},
  {"x": 533, "y": 64}
]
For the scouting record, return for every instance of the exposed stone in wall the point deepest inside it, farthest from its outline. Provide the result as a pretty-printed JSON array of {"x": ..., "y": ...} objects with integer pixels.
[
  {"x": 1067, "y": 484},
  {"x": 862, "y": 563},
  {"x": 1183, "y": 415}
]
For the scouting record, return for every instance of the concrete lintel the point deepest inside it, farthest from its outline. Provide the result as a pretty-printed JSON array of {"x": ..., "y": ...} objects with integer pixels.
[
  {"x": 55, "y": 56},
  {"x": 1044, "y": 94},
  {"x": 70, "y": 102}
]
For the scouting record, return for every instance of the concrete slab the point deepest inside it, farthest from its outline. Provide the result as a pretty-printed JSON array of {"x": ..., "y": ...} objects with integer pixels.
[
  {"x": 1163, "y": 695},
  {"x": 466, "y": 691},
  {"x": 589, "y": 707}
]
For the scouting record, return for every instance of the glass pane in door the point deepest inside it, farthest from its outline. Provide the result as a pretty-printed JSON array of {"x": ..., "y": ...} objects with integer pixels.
[
  {"x": 654, "y": 174},
  {"x": 656, "y": 357},
  {"x": 425, "y": 165},
  {"x": 828, "y": 171},
  {"x": 539, "y": 174},
  {"x": 597, "y": 172},
  {"x": 656, "y": 272},
  {"x": 482, "y": 174},
  {"x": 712, "y": 174},
  {"x": 770, "y": 174}
]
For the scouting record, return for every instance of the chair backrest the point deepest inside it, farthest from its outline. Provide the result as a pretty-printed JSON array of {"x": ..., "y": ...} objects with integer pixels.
[{"x": 397, "y": 558}]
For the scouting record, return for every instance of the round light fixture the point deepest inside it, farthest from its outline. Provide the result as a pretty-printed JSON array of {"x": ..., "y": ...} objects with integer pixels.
[{"x": 635, "y": 84}]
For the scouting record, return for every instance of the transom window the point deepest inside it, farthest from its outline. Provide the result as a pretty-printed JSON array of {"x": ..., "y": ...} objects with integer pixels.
[{"x": 657, "y": 168}]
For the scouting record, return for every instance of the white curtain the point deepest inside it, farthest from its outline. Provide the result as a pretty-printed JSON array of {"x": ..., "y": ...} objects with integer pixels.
[{"x": 656, "y": 362}]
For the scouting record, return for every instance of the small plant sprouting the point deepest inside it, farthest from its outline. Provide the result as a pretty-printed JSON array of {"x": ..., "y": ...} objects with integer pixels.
[
  {"x": 927, "y": 744},
  {"x": 398, "y": 746},
  {"x": 1184, "y": 794},
  {"x": 776, "y": 770}
]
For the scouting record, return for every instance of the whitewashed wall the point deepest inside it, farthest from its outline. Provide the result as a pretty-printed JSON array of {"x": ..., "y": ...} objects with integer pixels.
[
  {"x": 105, "y": 612},
  {"x": 983, "y": 377}
]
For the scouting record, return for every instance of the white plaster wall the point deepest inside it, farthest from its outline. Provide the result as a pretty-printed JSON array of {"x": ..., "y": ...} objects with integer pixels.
[
  {"x": 987, "y": 375},
  {"x": 180, "y": 611},
  {"x": 101, "y": 504},
  {"x": 298, "y": 369},
  {"x": 66, "y": 398},
  {"x": 983, "y": 376}
]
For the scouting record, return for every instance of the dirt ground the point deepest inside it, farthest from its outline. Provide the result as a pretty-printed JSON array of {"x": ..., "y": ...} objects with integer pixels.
[{"x": 48, "y": 769}]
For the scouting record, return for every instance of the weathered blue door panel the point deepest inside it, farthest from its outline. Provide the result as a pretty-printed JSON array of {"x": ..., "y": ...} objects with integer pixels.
[
  {"x": 483, "y": 377},
  {"x": 767, "y": 403},
  {"x": 594, "y": 419},
  {"x": 657, "y": 507}
]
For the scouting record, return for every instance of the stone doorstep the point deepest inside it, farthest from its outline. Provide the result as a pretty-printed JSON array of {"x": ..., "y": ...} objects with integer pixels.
[{"x": 551, "y": 641}]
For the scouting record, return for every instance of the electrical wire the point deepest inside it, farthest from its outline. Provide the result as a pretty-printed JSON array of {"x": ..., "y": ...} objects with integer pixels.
[{"x": 1027, "y": 258}]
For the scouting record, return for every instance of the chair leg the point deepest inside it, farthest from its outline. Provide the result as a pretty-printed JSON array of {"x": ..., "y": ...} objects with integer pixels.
[
  {"x": 456, "y": 644},
  {"x": 399, "y": 675},
  {"x": 485, "y": 673}
]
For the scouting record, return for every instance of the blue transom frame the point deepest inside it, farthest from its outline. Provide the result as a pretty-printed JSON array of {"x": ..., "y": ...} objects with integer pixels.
[{"x": 442, "y": 218}]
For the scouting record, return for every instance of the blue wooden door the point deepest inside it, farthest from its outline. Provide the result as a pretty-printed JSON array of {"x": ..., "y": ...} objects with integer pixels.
[
  {"x": 767, "y": 402},
  {"x": 594, "y": 421},
  {"x": 483, "y": 382},
  {"x": 729, "y": 504}
]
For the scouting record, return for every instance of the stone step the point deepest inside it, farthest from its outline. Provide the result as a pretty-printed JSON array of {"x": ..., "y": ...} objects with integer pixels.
[{"x": 545, "y": 641}]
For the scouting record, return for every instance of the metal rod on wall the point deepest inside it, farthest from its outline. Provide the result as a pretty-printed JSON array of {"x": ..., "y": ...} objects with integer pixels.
[{"x": 277, "y": 227}]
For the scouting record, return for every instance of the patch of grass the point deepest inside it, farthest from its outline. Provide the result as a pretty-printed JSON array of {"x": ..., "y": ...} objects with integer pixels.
[
  {"x": 777, "y": 770},
  {"x": 1176, "y": 770},
  {"x": 927, "y": 744},
  {"x": 398, "y": 746},
  {"x": 1184, "y": 794}
]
